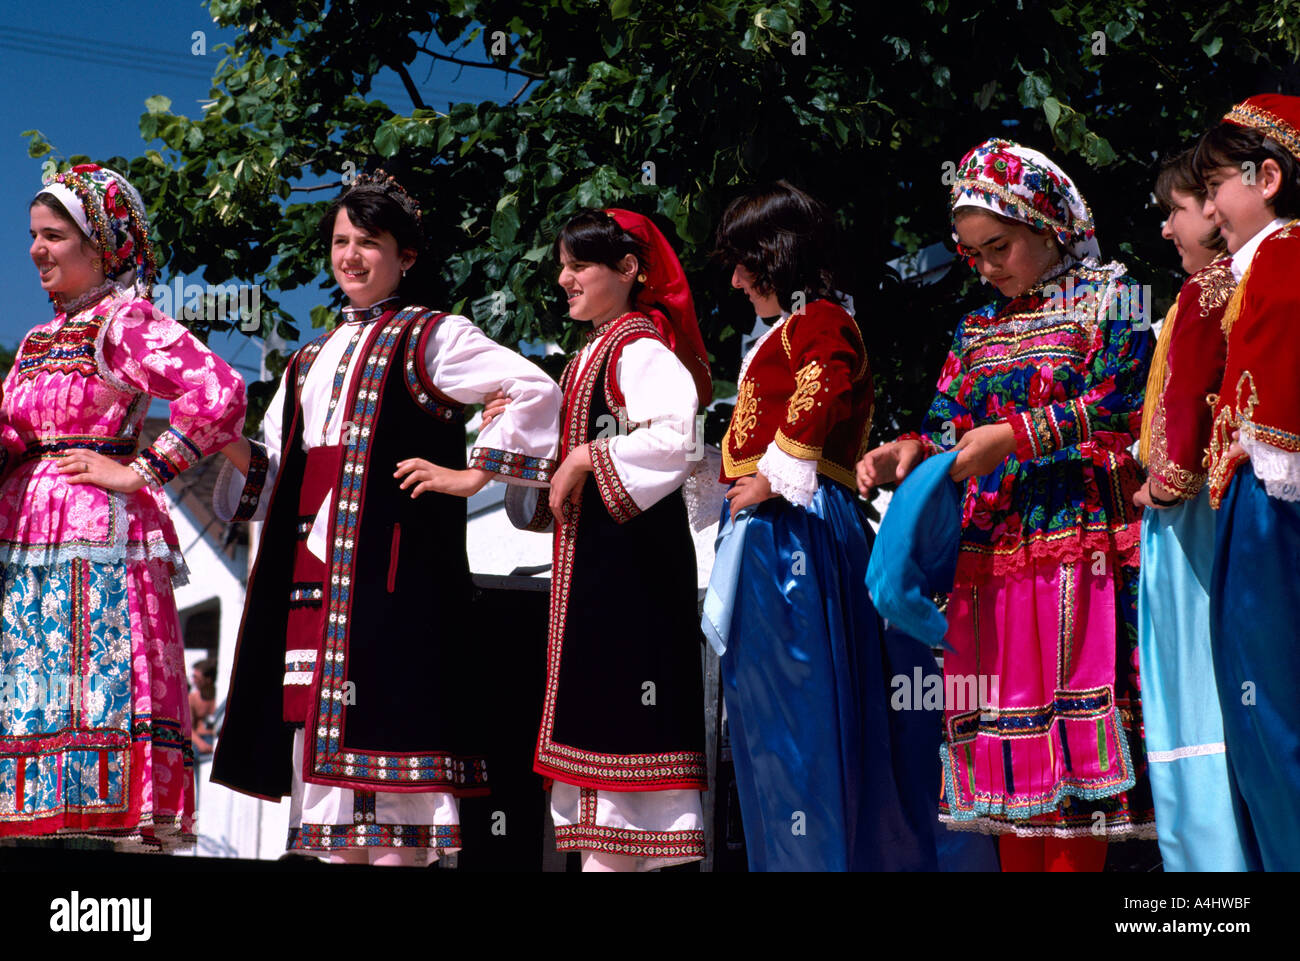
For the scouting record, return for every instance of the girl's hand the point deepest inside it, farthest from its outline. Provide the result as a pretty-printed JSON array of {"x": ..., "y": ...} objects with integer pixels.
[
  {"x": 888, "y": 463},
  {"x": 1235, "y": 449},
  {"x": 982, "y": 449},
  {"x": 1146, "y": 495},
  {"x": 494, "y": 405},
  {"x": 444, "y": 480},
  {"x": 567, "y": 481},
  {"x": 749, "y": 490},
  {"x": 86, "y": 467}
]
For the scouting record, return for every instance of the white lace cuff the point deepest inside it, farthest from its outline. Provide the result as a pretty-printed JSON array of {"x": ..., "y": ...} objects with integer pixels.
[
  {"x": 793, "y": 478},
  {"x": 703, "y": 492},
  {"x": 1279, "y": 470}
]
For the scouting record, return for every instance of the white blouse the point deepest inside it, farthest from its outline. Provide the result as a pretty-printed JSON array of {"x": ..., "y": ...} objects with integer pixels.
[{"x": 461, "y": 361}]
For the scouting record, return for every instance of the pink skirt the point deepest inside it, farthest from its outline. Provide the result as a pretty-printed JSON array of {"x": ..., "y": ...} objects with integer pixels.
[{"x": 1041, "y": 714}]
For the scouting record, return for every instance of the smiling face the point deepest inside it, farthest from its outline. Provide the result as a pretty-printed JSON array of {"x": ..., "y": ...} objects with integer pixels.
[
  {"x": 765, "y": 304},
  {"x": 67, "y": 262},
  {"x": 1010, "y": 256},
  {"x": 595, "y": 292},
  {"x": 1188, "y": 228},
  {"x": 367, "y": 267},
  {"x": 1241, "y": 209}
]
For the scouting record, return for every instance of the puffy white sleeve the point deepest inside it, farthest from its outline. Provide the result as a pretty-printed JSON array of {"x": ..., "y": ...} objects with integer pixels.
[
  {"x": 245, "y": 497},
  {"x": 649, "y": 457},
  {"x": 466, "y": 365}
]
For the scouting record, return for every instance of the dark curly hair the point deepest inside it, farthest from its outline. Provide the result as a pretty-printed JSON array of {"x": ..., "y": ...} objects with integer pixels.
[
  {"x": 785, "y": 238},
  {"x": 1230, "y": 145}
]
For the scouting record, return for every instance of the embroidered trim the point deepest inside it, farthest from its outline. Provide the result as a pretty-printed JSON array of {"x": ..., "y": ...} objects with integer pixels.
[
  {"x": 255, "y": 481},
  {"x": 429, "y": 400},
  {"x": 687, "y": 845},
  {"x": 1185, "y": 484},
  {"x": 305, "y": 594},
  {"x": 340, "y": 376},
  {"x": 1226, "y": 420},
  {"x": 329, "y": 763},
  {"x": 50, "y": 448},
  {"x": 1279, "y": 470},
  {"x": 334, "y": 837},
  {"x": 307, "y": 356},
  {"x": 744, "y": 416},
  {"x": 1267, "y": 123},
  {"x": 510, "y": 464},
  {"x": 618, "y": 501},
  {"x": 565, "y": 763},
  {"x": 807, "y": 384}
]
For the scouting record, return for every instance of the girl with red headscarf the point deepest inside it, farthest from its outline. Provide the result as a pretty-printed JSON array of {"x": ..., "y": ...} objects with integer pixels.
[{"x": 622, "y": 732}]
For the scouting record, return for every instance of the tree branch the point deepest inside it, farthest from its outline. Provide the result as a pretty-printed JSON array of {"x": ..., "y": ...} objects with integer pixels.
[
  {"x": 476, "y": 63},
  {"x": 527, "y": 83},
  {"x": 411, "y": 90}
]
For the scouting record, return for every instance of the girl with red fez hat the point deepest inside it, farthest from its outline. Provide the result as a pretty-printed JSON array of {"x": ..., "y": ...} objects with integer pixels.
[
  {"x": 1250, "y": 164},
  {"x": 829, "y": 778},
  {"x": 622, "y": 731},
  {"x": 1180, "y": 702}
]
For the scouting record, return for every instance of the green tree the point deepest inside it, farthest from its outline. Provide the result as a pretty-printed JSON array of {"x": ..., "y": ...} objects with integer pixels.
[{"x": 861, "y": 104}]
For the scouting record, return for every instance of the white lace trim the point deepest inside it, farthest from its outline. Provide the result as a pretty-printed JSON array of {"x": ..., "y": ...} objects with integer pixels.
[
  {"x": 227, "y": 490},
  {"x": 753, "y": 351},
  {"x": 1178, "y": 753},
  {"x": 1278, "y": 470},
  {"x": 791, "y": 477},
  {"x": 703, "y": 492},
  {"x": 48, "y": 555}
]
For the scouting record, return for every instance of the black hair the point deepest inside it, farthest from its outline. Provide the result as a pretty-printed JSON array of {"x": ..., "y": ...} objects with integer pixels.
[
  {"x": 1230, "y": 145},
  {"x": 595, "y": 237},
  {"x": 376, "y": 211},
  {"x": 785, "y": 238},
  {"x": 1179, "y": 173},
  {"x": 53, "y": 203}
]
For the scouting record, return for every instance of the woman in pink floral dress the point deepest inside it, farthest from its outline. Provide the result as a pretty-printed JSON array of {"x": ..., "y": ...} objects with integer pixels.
[{"x": 94, "y": 724}]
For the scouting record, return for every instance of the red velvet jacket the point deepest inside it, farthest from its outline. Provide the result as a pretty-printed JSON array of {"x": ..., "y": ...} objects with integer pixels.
[
  {"x": 808, "y": 388},
  {"x": 1260, "y": 394},
  {"x": 1192, "y": 371}
]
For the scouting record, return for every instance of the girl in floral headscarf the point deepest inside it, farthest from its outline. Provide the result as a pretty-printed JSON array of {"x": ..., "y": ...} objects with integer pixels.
[
  {"x": 1041, "y": 398},
  {"x": 94, "y": 724}
]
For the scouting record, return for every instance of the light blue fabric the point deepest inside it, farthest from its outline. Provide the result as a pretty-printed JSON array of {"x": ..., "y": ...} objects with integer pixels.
[
  {"x": 1180, "y": 701},
  {"x": 720, "y": 599},
  {"x": 915, "y": 555}
]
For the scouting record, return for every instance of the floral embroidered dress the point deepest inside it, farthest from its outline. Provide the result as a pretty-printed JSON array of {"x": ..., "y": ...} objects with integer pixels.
[
  {"x": 94, "y": 722},
  {"x": 1045, "y": 597}
]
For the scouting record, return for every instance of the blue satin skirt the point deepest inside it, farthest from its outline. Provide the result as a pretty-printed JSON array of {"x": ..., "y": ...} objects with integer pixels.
[
  {"x": 1188, "y": 765},
  {"x": 829, "y": 777},
  {"x": 1254, "y": 600}
]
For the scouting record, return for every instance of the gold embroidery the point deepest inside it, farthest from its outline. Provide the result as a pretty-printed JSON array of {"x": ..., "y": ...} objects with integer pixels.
[
  {"x": 1185, "y": 483},
  {"x": 1225, "y": 422},
  {"x": 744, "y": 417},
  {"x": 807, "y": 384},
  {"x": 1216, "y": 285}
]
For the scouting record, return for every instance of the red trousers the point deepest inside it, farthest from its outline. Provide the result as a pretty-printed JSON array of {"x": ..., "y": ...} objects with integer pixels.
[{"x": 1051, "y": 854}]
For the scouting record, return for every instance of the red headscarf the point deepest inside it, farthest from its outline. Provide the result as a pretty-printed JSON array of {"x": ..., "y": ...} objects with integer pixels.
[{"x": 665, "y": 298}]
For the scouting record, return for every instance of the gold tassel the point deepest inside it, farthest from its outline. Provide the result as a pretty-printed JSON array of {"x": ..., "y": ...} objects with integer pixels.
[
  {"x": 1155, "y": 384},
  {"x": 1234, "y": 305}
]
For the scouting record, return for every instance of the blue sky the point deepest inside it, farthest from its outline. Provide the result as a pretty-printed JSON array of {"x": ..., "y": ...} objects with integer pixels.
[{"x": 86, "y": 95}]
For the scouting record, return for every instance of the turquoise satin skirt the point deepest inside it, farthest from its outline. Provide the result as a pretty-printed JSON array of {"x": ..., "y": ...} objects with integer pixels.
[{"x": 1188, "y": 766}]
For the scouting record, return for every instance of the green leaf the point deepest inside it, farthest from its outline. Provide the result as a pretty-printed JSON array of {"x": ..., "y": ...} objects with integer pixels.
[
  {"x": 1213, "y": 47},
  {"x": 158, "y": 104}
]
